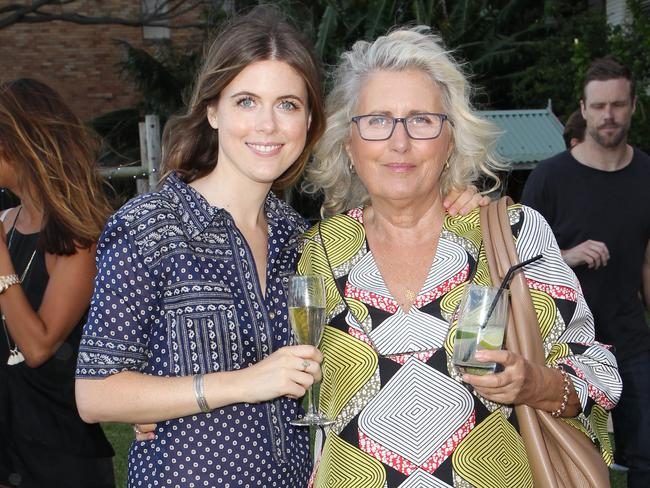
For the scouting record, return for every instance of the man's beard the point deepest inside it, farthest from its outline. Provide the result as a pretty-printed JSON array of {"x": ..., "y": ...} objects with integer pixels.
[{"x": 610, "y": 141}]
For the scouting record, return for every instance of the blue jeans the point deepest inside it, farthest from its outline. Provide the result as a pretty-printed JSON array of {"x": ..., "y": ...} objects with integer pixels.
[{"x": 631, "y": 419}]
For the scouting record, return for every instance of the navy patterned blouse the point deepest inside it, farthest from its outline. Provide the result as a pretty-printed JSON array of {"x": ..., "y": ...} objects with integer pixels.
[{"x": 177, "y": 294}]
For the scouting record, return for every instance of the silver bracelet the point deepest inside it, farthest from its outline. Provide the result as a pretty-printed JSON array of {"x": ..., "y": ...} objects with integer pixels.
[
  {"x": 7, "y": 281},
  {"x": 566, "y": 382},
  {"x": 197, "y": 381}
]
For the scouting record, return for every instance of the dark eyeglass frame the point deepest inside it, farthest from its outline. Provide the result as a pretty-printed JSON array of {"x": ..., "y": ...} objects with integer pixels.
[{"x": 442, "y": 117}]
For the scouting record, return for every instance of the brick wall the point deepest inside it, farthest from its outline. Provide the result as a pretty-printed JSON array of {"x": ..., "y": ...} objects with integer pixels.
[{"x": 80, "y": 61}]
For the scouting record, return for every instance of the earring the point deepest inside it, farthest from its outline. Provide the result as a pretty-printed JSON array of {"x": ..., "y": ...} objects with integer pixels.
[
  {"x": 351, "y": 167},
  {"x": 447, "y": 164}
]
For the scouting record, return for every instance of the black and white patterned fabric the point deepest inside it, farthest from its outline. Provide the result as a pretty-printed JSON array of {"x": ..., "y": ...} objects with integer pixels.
[{"x": 177, "y": 294}]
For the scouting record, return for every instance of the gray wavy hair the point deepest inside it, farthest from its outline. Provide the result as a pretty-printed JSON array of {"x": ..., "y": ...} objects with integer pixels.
[{"x": 474, "y": 138}]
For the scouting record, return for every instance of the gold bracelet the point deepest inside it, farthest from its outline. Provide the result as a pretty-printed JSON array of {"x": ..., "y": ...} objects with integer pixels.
[
  {"x": 197, "y": 382},
  {"x": 565, "y": 396}
]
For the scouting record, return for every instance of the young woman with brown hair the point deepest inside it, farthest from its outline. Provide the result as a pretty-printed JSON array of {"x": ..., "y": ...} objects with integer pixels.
[
  {"x": 47, "y": 244},
  {"x": 188, "y": 325}
]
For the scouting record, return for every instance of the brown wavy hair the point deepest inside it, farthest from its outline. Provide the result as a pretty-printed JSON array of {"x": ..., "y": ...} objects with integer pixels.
[
  {"x": 190, "y": 145},
  {"x": 54, "y": 156}
]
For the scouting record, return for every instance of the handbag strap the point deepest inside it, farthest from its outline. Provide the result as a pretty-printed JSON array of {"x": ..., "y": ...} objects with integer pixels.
[{"x": 523, "y": 335}]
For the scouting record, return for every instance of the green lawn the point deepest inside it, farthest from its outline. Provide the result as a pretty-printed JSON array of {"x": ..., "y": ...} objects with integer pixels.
[
  {"x": 618, "y": 479},
  {"x": 121, "y": 436}
]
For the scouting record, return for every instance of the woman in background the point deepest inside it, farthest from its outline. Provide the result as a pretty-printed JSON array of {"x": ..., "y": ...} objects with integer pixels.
[{"x": 47, "y": 267}]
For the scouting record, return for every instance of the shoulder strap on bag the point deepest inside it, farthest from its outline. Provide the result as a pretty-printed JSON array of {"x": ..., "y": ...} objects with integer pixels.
[
  {"x": 499, "y": 261},
  {"x": 523, "y": 335},
  {"x": 559, "y": 455}
]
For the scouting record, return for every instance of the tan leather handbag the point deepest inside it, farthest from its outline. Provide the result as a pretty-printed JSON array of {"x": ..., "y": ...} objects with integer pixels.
[{"x": 560, "y": 455}]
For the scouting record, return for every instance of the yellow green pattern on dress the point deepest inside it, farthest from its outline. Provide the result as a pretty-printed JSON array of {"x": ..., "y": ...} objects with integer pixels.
[{"x": 403, "y": 417}]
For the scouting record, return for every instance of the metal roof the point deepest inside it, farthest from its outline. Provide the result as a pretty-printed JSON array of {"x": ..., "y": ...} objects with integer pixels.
[{"x": 528, "y": 135}]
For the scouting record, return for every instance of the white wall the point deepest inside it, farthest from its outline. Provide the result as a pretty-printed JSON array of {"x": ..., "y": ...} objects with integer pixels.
[{"x": 617, "y": 11}]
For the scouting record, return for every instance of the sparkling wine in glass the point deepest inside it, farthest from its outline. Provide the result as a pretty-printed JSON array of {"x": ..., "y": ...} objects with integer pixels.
[{"x": 307, "y": 316}]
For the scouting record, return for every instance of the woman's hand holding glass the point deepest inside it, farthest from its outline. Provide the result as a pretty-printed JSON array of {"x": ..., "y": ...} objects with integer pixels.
[
  {"x": 306, "y": 300},
  {"x": 521, "y": 382},
  {"x": 289, "y": 371}
]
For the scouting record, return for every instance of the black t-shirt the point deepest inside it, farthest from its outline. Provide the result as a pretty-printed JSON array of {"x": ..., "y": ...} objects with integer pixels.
[{"x": 581, "y": 203}]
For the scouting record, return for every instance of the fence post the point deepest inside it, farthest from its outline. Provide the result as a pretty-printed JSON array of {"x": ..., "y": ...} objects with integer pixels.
[
  {"x": 152, "y": 131},
  {"x": 141, "y": 184},
  {"x": 146, "y": 174}
]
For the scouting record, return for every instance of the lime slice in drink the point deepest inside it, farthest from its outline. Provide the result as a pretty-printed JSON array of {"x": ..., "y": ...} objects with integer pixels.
[
  {"x": 491, "y": 339},
  {"x": 462, "y": 334},
  {"x": 477, "y": 371}
]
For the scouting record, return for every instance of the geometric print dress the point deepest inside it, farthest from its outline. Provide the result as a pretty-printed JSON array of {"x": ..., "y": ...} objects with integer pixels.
[{"x": 403, "y": 417}]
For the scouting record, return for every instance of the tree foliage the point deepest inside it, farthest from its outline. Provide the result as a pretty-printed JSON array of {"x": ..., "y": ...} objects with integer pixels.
[
  {"x": 520, "y": 53},
  {"x": 498, "y": 39},
  {"x": 629, "y": 44},
  {"x": 40, "y": 11}
]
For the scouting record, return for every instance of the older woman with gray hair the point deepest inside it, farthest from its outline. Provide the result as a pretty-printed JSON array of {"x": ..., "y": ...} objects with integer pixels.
[{"x": 400, "y": 133}]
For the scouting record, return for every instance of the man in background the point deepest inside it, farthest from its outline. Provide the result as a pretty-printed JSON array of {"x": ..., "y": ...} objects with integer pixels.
[{"x": 596, "y": 199}]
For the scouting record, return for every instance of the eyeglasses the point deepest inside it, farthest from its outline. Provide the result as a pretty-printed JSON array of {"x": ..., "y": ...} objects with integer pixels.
[{"x": 377, "y": 127}]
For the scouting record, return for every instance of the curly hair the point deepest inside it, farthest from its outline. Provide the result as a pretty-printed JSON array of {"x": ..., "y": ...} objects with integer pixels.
[{"x": 474, "y": 138}]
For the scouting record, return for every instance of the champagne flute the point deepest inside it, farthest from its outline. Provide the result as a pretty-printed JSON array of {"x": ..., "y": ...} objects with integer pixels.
[{"x": 306, "y": 302}]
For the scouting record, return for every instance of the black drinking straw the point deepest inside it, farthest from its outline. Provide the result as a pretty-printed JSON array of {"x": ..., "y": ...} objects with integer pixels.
[{"x": 505, "y": 283}]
